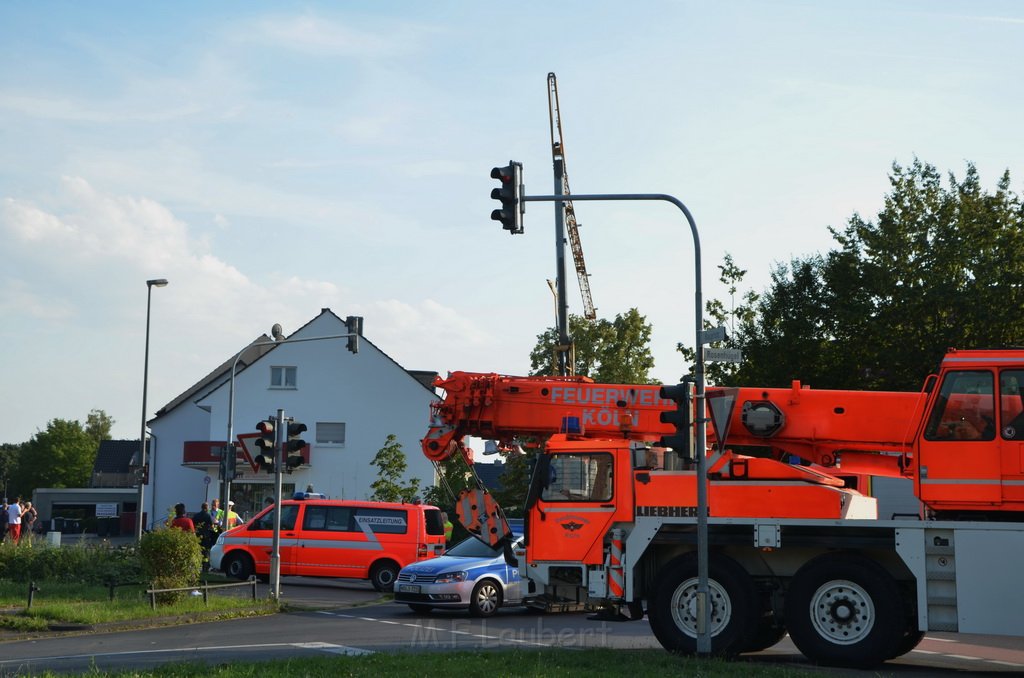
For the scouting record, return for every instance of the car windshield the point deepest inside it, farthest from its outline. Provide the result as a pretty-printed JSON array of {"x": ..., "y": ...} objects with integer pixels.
[{"x": 472, "y": 548}]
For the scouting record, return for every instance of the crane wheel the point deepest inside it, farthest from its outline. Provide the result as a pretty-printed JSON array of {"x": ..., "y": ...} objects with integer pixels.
[
  {"x": 672, "y": 608},
  {"x": 843, "y": 609}
]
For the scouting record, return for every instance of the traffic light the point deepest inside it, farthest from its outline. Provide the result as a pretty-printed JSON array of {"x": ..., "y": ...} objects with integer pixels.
[
  {"x": 510, "y": 193},
  {"x": 681, "y": 443},
  {"x": 267, "y": 446},
  {"x": 354, "y": 324},
  {"x": 293, "y": 446},
  {"x": 228, "y": 462}
]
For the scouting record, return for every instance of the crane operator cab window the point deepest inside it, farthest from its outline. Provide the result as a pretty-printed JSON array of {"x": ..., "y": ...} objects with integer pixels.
[
  {"x": 964, "y": 409},
  {"x": 579, "y": 477},
  {"x": 1011, "y": 404}
]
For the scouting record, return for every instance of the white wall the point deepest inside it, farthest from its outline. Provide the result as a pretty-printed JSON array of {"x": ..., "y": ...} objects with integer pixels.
[{"x": 368, "y": 391}]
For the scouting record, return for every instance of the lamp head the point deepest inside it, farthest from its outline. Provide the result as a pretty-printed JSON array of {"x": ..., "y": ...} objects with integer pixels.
[{"x": 159, "y": 282}]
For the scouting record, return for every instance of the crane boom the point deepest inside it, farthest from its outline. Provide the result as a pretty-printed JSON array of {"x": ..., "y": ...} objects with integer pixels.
[{"x": 571, "y": 227}]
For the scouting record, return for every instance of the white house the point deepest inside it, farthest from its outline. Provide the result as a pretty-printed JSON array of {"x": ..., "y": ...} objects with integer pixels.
[{"x": 350, "y": 403}]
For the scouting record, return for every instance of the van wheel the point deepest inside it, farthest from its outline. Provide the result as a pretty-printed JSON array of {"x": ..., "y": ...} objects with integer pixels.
[
  {"x": 238, "y": 566},
  {"x": 420, "y": 608},
  {"x": 486, "y": 599},
  {"x": 383, "y": 575}
]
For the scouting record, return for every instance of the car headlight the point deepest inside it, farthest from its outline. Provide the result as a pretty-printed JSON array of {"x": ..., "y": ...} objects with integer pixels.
[{"x": 450, "y": 577}]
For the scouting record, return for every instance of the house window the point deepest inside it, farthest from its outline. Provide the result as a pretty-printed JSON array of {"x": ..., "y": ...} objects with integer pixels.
[
  {"x": 330, "y": 433},
  {"x": 283, "y": 377}
]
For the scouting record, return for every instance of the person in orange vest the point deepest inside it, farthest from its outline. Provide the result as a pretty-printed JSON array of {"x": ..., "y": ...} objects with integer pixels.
[{"x": 233, "y": 518}]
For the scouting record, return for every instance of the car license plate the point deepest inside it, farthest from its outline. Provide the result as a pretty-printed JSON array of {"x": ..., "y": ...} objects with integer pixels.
[{"x": 408, "y": 588}]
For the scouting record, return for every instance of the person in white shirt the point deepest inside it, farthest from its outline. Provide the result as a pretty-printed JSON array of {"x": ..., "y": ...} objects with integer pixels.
[{"x": 14, "y": 521}]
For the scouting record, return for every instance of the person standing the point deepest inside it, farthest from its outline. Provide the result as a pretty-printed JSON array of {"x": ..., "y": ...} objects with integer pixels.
[
  {"x": 203, "y": 522},
  {"x": 233, "y": 518},
  {"x": 28, "y": 520},
  {"x": 14, "y": 520},
  {"x": 182, "y": 521}
]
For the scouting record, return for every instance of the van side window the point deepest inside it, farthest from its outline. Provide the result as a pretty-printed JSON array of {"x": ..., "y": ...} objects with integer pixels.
[
  {"x": 1011, "y": 392},
  {"x": 328, "y": 518},
  {"x": 266, "y": 521},
  {"x": 435, "y": 524},
  {"x": 382, "y": 521}
]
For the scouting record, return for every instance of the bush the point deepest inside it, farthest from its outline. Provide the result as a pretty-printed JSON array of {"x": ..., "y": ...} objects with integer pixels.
[
  {"x": 78, "y": 564},
  {"x": 170, "y": 558}
]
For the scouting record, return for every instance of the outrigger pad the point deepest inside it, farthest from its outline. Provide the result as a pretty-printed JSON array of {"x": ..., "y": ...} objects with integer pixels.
[{"x": 481, "y": 515}]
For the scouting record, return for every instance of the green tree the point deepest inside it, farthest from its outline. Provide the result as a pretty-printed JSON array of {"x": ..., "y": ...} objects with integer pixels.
[
  {"x": 940, "y": 266},
  {"x": 98, "y": 425},
  {"x": 61, "y": 456},
  {"x": 391, "y": 465},
  {"x": 731, "y": 317},
  {"x": 609, "y": 351}
]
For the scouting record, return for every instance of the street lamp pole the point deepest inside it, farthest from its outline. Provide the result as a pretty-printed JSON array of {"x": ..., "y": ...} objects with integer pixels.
[{"x": 150, "y": 284}]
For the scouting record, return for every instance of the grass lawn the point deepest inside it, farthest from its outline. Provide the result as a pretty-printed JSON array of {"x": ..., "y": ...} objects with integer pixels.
[{"x": 59, "y": 604}]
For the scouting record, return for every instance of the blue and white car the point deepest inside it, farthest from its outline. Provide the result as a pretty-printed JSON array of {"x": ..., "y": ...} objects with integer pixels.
[{"x": 470, "y": 575}]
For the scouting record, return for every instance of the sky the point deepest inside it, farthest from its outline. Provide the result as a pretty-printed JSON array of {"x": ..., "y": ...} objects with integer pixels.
[{"x": 274, "y": 158}]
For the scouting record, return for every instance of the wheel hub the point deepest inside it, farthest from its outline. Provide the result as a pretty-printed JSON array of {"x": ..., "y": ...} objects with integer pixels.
[
  {"x": 842, "y": 612},
  {"x": 684, "y": 607}
]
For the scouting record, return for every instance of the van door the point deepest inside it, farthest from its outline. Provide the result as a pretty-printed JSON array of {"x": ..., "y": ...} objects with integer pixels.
[{"x": 261, "y": 539}]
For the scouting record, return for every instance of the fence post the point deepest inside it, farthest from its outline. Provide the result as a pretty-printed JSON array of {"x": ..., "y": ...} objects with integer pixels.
[
  {"x": 32, "y": 589},
  {"x": 206, "y": 593},
  {"x": 252, "y": 579},
  {"x": 152, "y": 595}
]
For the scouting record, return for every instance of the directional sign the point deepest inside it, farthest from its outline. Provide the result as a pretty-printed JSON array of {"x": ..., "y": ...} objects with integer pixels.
[
  {"x": 712, "y": 335},
  {"x": 723, "y": 355}
]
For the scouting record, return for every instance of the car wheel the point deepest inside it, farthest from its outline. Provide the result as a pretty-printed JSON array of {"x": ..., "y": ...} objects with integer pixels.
[
  {"x": 238, "y": 566},
  {"x": 486, "y": 598},
  {"x": 420, "y": 608},
  {"x": 383, "y": 576}
]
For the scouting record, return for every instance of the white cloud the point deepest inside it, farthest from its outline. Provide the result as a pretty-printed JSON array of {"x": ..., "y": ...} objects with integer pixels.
[{"x": 317, "y": 35}]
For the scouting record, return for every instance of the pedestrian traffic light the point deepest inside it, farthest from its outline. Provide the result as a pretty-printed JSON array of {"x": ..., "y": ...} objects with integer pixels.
[
  {"x": 510, "y": 193},
  {"x": 681, "y": 443},
  {"x": 294, "y": 445},
  {"x": 267, "y": 446},
  {"x": 354, "y": 324}
]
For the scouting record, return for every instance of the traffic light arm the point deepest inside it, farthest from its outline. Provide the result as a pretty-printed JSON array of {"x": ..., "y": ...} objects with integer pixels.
[{"x": 700, "y": 434}]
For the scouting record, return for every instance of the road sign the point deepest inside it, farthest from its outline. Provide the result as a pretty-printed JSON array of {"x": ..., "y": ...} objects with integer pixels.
[
  {"x": 712, "y": 335},
  {"x": 723, "y": 355}
]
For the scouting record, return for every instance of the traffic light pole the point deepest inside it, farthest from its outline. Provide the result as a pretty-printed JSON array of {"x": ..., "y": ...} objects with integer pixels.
[
  {"x": 700, "y": 418},
  {"x": 275, "y": 554}
]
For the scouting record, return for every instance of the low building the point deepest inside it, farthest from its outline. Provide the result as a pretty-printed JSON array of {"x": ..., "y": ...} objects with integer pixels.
[{"x": 350, "y": 403}]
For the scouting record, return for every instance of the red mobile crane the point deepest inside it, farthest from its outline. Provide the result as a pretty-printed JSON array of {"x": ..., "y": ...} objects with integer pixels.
[{"x": 611, "y": 519}]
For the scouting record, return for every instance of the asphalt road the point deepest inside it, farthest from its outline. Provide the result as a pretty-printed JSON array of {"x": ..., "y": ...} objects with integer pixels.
[{"x": 354, "y": 620}]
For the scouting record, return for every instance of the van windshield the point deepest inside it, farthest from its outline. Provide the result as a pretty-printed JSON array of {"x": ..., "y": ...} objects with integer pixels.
[{"x": 266, "y": 521}]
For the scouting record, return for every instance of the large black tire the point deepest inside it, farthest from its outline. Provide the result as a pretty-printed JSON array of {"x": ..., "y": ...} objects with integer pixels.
[
  {"x": 911, "y": 639},
  {"x": 844, "y": 609},
  {"x": 383, "y": 575},
  {"x": 486, "y": 598},
  {"x": 238, "y": 565},
  {"x": 735, "y": 609},
  {"x": 769, "y": 632}
]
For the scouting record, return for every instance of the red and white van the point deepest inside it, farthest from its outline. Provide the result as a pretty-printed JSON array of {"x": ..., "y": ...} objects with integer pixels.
[{"x": 334, "y": 538}]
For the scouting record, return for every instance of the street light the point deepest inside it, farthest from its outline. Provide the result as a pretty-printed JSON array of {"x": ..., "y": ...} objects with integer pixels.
[{"x": 150, "y": 284}]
